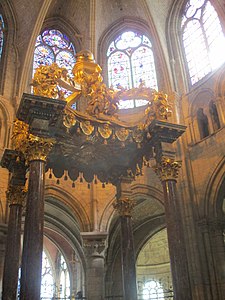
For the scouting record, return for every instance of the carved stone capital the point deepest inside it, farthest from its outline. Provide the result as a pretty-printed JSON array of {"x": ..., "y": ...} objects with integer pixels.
[
  {"x": 124, "y": 206},
  {"x": 16, "y": 195},
  {"x": 167, "y": 169},
  {"x": 94, "y": 244},
  {"x": 33, "y": 147}
]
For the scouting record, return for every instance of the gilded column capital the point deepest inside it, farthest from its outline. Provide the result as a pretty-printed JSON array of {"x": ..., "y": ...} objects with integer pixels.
[
  {"x": 124, "y": 206},
  {"x": 33, "y": 147},
  {"x": 16, "y": 195},
  {"x": 167, "y": 168}
]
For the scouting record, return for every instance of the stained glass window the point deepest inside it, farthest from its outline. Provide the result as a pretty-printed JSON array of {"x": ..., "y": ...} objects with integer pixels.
[
  {"x": 54, "y": 46},
  {"x": 130, "y": 63},
  {"x": 153, "y": 290},
  {"x": 2, "y": 26},
  {"x": 203, "y": 39},
  {"x": 64, "y": 279},
  {"x": 47, "y": 280}
]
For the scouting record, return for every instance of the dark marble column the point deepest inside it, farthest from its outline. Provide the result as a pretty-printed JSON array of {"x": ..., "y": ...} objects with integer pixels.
[
  {"x": 11, "y": 265},
  {"x": 33, "y": 234},
  {"x": 124, "y": 206},
  {"x": 16, "y": 194},
  {"x": 167, "y": 169},
  {"x": 37, "y": 151}
]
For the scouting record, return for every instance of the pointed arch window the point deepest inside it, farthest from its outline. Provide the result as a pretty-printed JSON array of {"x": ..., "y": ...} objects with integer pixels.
[
  {"x": 203, "y": 39},
  {"x": 47, "y": 279},
  {"x": 130, "y": 62},
  {"x": 2, "y": 27},
  {"x": 54, "y": 46}
]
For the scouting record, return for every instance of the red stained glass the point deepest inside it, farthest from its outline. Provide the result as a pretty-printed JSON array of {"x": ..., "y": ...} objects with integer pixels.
[{"x": 130, "y": 63}]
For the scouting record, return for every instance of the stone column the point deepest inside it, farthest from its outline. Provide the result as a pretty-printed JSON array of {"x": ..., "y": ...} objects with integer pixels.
[
  {"x": 16, "y": 197},
  {"x": 214, "y": 250},
  {"x": 124, "y": 206},
  {"x": 36, "y": 152},
  {"x": 167, "y": 169},
  {"x": 94, "y": 245}
]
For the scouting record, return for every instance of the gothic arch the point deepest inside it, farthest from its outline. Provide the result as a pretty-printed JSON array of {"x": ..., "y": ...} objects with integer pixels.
[
  {"x": 61, "y": 24},
  {"x": 174, "y": 46},
  {"x": 213, "y": 203},
  {"x": 9, "y": 46},
  {"x": 148, "y": 218},
  {"x": 23, "y": 83},
  {"x": 5, "y": 125},
  {"x": 72, "y": 203}
]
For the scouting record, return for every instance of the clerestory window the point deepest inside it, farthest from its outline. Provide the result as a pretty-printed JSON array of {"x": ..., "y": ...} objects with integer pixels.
[
  {"x": 54, "y": 46},
  {"x": 130, "y": 61},
  {"x": 2, "y": 26},
  {"x": 203, "y": 39}
]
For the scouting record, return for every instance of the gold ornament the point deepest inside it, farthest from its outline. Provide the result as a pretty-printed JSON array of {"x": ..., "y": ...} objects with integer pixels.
[
  {"x": 105, "y": 131},
  {"x": 122, "y": 134},
  {"x": 69, "y": 120},
  {"x": 16, "y": 195},
  {"x": 159, "y": 108},
  {"x": 33, "y": 147},
  {"x": 167, "y": 169},
  {"x": 45, "y": 81},
  {"x": 86, "y": 127}
]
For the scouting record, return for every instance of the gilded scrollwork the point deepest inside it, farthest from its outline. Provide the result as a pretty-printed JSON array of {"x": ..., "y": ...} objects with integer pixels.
[
  {"x": 124, "y": 206},
  {"x": 167, "y": 169},
  {"x": 33, "y": 147},
  {"x": 16, "y": 195}
]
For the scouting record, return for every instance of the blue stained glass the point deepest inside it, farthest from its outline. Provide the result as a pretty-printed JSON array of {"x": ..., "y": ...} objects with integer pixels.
[
  {"x": 1, "y": 34},
  {"x": 43, "y": 56},
  {"x": 130, "y": 63},
  {"x": 66, "y": 59},
  {"x": 111, "y": 48},
  {"x": 54, "y": 46},
  {"x": 54, "y": 38}
]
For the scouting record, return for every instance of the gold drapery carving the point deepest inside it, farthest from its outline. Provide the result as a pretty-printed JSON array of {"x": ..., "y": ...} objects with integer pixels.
[
  {"x": 167, "y": 169},
  {"x": 33, "y": 147}
]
